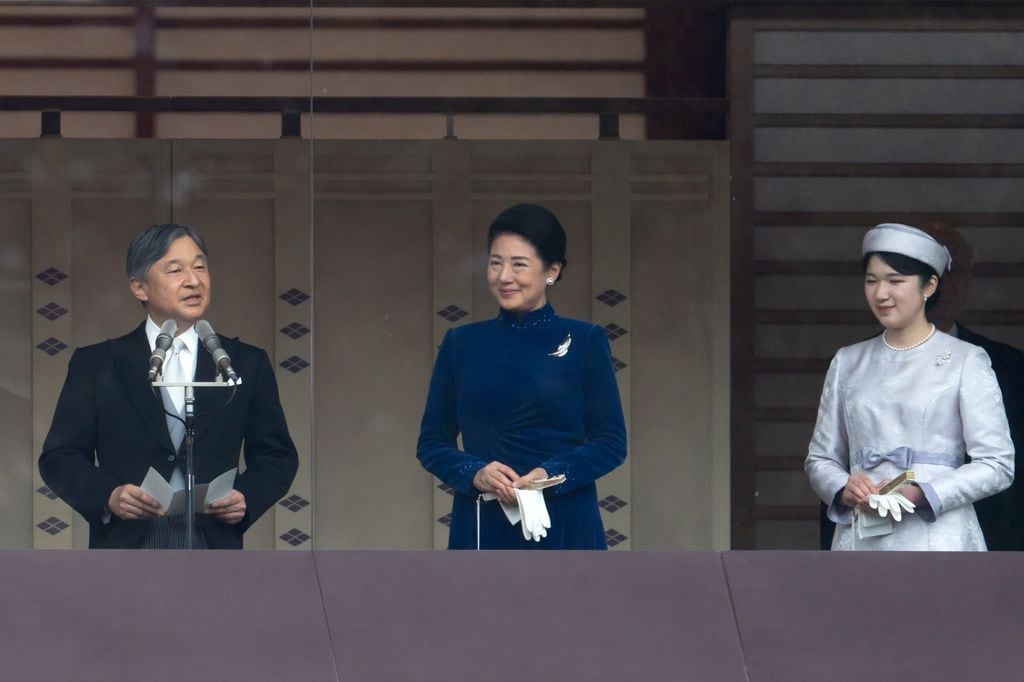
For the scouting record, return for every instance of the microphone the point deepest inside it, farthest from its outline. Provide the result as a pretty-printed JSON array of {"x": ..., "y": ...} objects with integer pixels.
[
  {"x": 212, "y": 343},
  {"x": 163, "y": 341}
]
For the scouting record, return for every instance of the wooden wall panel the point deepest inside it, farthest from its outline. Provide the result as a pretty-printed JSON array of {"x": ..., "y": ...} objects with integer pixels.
[
  {"x": 293, "y": 315},
  {"x": 373, "y": 310},
  {"x": 373, "y": 284},
  {"x": 887, "y": 44},
  {"x": 89, "y": 199},
  {"x": 888, "y": 96},
  {"x": 51, "y": 264},
  {"x": 239, "y": 196},
  {"x": 889, "y": 145},
  {"x": 16, "y": 351}
]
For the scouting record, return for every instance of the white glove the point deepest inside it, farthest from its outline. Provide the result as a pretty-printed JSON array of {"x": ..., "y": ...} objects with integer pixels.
[
  {"x": 535, "y": 518},
  {"x": 893, "y": 503}
]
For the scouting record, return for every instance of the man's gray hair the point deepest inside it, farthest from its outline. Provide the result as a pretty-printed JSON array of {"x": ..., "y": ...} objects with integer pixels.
[{"x": 152, "y": 243}]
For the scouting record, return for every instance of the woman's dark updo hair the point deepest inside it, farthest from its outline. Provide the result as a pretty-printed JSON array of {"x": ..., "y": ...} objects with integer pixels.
[
  {"x": 537, "y": 225},
  {"x": 905, "y": 265}
]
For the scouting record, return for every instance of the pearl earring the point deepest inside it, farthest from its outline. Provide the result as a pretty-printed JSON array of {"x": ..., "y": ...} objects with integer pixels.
[
  {"x": 550, "y": 281},
  {"x": 926, "y": 298}
]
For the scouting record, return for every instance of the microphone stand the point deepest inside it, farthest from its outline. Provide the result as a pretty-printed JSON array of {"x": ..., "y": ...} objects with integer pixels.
[
  {"x": 190, "y": 438},
  {"x": 190, "y": 475}
]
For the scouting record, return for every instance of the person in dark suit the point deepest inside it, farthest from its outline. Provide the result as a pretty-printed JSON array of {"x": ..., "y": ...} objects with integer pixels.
[
  {"x": 110, "y": 427},
  {"x": 1001, "y": 515}
]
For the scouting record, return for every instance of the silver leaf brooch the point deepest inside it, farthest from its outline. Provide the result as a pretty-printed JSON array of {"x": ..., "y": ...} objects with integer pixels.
[
  {"x": 563, "y": 348},
  {"x": 943, "y": 357}
]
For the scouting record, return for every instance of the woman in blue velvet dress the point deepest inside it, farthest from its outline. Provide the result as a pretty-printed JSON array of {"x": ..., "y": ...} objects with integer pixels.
[{"x": 533, "y": 395}]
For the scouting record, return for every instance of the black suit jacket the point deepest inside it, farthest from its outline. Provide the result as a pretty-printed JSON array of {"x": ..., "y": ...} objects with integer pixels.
[
  {"x": 1002, "y": 515},
  {"x": 109, "y": 428}
]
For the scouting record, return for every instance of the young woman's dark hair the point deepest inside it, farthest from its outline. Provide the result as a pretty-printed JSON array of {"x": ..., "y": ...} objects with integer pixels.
[
  {"x": 905, "y": 265},
  {"x": 537, "y": 225}
]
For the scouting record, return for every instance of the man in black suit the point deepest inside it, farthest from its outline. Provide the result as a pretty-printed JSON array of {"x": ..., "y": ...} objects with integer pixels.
[
  {"x": 1001, "y": 515},
  {"x": 110, "y": 426}
]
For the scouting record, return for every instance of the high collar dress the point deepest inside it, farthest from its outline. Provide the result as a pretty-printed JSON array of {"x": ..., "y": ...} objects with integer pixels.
[
  {"x": 530, "y": 390},
  {"x": 925, "y": 409}
]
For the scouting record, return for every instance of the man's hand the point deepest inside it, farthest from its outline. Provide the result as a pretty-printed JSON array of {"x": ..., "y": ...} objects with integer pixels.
[
  {"x": 230, "y": 509},
  {"x": 132, "y": 503}
]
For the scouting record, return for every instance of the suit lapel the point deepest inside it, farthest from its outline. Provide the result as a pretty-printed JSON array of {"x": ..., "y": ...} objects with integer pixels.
[
  {"x": 204, "y": 372},
  {"x": 131, "y": 360}
]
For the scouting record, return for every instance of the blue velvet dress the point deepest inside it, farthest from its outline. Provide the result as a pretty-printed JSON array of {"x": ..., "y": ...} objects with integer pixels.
[{"x": 531, "y": 390}]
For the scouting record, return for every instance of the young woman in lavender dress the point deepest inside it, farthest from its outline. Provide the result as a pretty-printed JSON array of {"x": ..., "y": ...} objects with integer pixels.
[{"x": 911, "y": 399}]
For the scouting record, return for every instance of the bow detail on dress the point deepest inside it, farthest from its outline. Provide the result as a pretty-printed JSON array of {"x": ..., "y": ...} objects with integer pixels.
[
  {"x": 901, "y": 457},
  {"x": 905, "y": 457}
]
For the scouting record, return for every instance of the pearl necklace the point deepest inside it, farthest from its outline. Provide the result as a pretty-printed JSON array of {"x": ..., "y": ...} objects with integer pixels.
[{"x": 892, "y": 347}]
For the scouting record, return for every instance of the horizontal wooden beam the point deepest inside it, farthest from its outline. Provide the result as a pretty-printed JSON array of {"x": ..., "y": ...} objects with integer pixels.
[
  {"x": 890, "y": 170},
  {"x": 407, "y": 105},
  {"x": 869, "y": 13},
  {"x": 376, "y": 4},
  {"x": 867, "y": 219},
  {"x": 853, "y": 267},
  {"x": 995, "y": 318},
  {"x": 888, "y": 121},
  {"x": 302, "y": 21},
  {"x": 331, "y": 65},
  {"x": 884, "y": 71}
]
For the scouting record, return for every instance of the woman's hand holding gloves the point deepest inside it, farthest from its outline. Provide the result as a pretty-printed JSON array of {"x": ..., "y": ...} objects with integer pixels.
[{"x": 893, "y": 503}]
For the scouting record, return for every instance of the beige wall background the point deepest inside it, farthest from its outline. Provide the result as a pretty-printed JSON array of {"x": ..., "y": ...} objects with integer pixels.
[{"x": 339, "y": 268}]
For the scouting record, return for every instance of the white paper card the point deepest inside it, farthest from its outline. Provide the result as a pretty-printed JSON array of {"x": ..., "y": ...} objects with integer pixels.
[
  {"x": 872, "y": 525},
  {"x": 173, "y": 501}
]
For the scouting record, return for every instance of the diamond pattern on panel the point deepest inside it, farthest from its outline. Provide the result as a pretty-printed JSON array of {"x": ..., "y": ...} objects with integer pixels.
[
  {"x": 51, "y": 276},
  {"x": 293, "y": 503},
  {"x": 52, "y": 346},
  {"x": 614, "y": 537},
  {"x": 446, "y": 488},
  {"x": 46, "y": 492},
  {"x": 52, "y": 525},
  {"x": 295, "y": 537},
  {"x": 612, "y": 504},
  {"x": 614, "y": 331},
  {"x": 618, "y": 364},
  {"x": 52, "y": 311},
  {"x": 294, "y": 296},
  {"x": 452, "y": 313},
  {"x": 611, "y": 298},
  {"x": 294, "y": 364},
  {"x": 445, "y": 520},
  {"x": 295, "y": 330}
]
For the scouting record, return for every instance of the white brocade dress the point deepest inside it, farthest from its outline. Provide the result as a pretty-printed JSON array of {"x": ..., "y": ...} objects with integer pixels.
[{"x": 884, "y": 412}]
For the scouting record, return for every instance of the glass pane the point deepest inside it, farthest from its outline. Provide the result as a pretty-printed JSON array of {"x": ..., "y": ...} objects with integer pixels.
[
  {"x": 186, "y": 114},
  {"x": 400, "y": 220}
]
